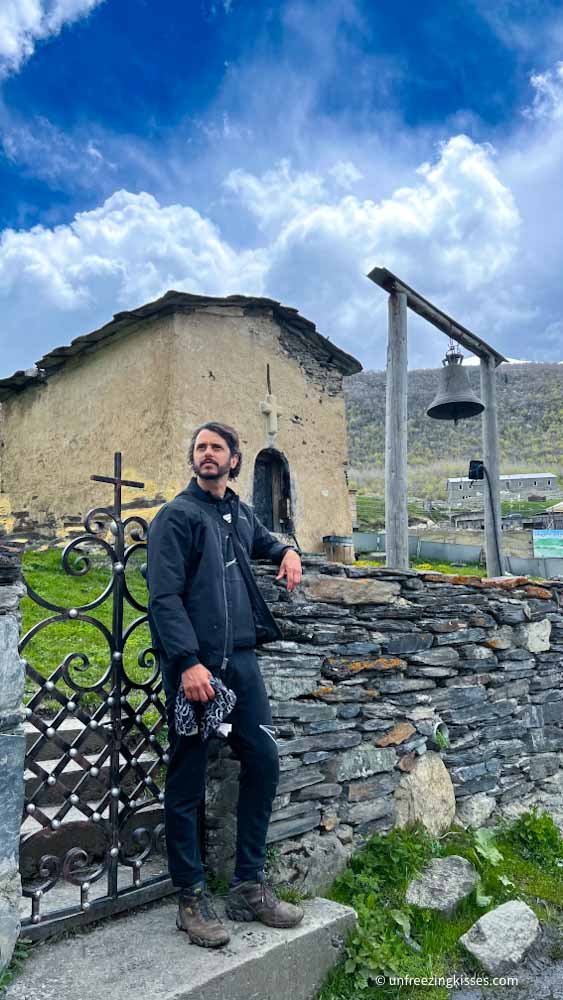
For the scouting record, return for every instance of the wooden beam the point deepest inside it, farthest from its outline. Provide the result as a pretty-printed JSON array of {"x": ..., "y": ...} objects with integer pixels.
[
  {"x": 396, "y": 514},
  {"x": 491, "y": 460},
  {"x": 391, "y": 283}
]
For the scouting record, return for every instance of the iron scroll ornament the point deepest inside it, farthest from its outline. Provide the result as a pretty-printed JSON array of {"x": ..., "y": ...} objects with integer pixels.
[{"x": 96, "y": 749}]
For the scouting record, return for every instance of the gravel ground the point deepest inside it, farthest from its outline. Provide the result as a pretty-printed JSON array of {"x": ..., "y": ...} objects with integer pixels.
[{"x": 540, "y": 977}]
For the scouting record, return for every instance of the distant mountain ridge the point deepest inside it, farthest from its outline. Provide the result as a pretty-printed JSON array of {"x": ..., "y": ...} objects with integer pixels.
[{"x": 530, "y": 412}]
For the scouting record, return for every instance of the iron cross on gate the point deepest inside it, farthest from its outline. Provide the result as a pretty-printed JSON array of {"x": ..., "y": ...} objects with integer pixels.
[{"x": 118, "y": 482}]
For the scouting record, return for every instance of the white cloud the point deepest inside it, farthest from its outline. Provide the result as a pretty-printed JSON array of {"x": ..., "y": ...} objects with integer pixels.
[
  {"x": 453, "y": 232},
  {"x": 548, "y": 96},
  {"x": 452, "y": 235},
  {"x": 345, "y": 173},
  {"x": 25, "y": 22},
  {"x": 140, "y": 247},
  {"x": 459, "y": 214},
  {"x": 475, "y": 230},
  {"x": 61, "y": 282},
  {"x": 51, "y": 154},
  {"x": 280, "y": 193}
]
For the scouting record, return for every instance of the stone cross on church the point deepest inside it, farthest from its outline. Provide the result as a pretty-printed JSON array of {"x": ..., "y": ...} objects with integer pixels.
[{"x": 269, "y": 407}]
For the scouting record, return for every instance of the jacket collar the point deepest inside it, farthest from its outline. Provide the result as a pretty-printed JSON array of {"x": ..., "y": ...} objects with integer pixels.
[{"x": 192, "y": 489}]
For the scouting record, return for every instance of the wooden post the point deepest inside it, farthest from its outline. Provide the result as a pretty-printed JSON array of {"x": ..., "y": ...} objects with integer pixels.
[
  {"x": 396, "y": 514},
  {"x": 493, "y": 522}
]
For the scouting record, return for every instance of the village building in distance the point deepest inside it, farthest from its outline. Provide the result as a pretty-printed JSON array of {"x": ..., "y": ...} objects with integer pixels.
[
  {"x": 144, "y": 382},
  {"x": 520, "y": 483}
]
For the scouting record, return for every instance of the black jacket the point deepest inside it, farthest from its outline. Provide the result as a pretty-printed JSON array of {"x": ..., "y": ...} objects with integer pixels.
[{"x": 189, "y": 603}]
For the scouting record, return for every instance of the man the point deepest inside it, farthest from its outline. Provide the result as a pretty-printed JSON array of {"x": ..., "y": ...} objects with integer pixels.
[{"x": 207, "y": 615}]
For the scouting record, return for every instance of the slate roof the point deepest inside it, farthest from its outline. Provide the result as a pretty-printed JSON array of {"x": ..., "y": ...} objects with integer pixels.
[{"x": 173, "y": 302}]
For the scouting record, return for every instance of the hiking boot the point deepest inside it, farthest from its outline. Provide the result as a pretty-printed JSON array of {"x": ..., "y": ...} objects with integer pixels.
[
  {"x": 258, "y": 901},
  {"x": 197, "y": 917}
]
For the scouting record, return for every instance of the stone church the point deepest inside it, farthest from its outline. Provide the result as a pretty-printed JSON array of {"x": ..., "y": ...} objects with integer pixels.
[{"x": 143, "y": 382}]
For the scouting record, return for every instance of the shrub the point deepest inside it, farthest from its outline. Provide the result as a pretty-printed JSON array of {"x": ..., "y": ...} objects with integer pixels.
[{"x": 537, "y": 838}]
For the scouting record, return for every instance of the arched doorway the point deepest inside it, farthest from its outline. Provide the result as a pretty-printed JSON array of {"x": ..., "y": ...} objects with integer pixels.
[{"x": 271, "y": 493}]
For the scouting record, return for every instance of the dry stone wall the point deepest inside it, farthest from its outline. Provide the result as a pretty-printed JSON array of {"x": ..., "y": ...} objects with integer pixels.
[{"x": 401, "y": 696}]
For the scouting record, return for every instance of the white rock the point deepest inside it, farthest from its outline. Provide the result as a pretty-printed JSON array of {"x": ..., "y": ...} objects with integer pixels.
[
  {"x": 325, "y": 858},
  {"x": 426, "y": 795},
  {"x": 475, "y": 810},
  {"x": 534, "y": 636},
  {"x": 443, "y": 884},
  {"x": 501, "y": 938}
]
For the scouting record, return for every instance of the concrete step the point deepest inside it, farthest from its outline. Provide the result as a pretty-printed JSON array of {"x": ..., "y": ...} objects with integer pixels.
[
  {"x": 93, "y": 740},
  {"x": 65, "y": 895},
  {"x": 76, "y": 815},
  {"x": 68, "y": 730},
  {"x": 92, "y": 786},
  {"x": 143, "y": 955},
  {"x": 77, "y": 830}
]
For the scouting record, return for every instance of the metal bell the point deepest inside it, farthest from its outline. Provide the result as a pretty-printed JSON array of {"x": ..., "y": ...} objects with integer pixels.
[{"x": 455, "y": 399}]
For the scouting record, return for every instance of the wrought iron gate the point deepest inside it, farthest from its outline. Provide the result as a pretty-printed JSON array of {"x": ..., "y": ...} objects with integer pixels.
[{"x": 92, "y": 834}]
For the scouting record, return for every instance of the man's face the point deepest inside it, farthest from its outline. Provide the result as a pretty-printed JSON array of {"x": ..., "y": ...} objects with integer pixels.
[{"x": 212, "y": 458}]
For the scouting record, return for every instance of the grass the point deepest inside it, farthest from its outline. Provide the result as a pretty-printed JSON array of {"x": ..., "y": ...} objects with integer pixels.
[
  {"x": 525, "y": 506},
  {"x": 14, "y": 967},
  {"x": 53, "y": 642},
  {"x": 371, "y": 511},
  {"x": 518, "y": 861},
  {"x": 468, "y": 569}
]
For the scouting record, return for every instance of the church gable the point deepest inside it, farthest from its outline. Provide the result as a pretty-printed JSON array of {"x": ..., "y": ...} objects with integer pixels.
[
  {"x": 141, "y": 384},
  {"x": 298, "y": 335}
]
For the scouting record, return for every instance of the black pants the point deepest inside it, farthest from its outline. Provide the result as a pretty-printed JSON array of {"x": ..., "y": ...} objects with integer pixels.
[{"x": 254, "y": 745}]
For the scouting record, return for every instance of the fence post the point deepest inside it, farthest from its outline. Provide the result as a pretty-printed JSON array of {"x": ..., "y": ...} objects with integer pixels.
[
  {"x": 491, "y": 459},
  {"x": 396, "y": 509},
  {"x": 12, "y": 748}
]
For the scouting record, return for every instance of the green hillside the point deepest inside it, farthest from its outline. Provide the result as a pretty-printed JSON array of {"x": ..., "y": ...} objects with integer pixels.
[{"x": 530, "y": 404}]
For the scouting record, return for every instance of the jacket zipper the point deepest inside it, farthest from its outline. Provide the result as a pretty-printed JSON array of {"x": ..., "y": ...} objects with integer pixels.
[{"x": 223, "y": 559}]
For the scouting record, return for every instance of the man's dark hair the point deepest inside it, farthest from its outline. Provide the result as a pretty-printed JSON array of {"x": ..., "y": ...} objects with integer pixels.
[{"x": 229, "y": 435}]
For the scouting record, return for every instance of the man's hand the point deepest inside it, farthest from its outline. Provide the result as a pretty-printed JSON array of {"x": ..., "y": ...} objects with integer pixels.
[
  {"x": 290, "y": 567},
  {"x": 195, "y": 681}
]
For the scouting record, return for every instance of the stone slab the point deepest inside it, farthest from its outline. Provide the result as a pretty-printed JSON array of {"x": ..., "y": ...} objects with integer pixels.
[
  {"x": 283, "y": 688},
  {"x": 362, "y": 812},
  {"x": 299, "y": 778},
  {"x": 306, "y": 711},
  {"x": 11, "y": 596},
  {"x": 12, "y": 672},
  {"x": 399, "y": 645},
  {"x": 361, "y": 762},
  {"x": 436, "y": 657},
  {"x": 145, "y": 956},
  {"x": 12, "y": 750},
  {"x": 342, "y": 590},
  {"x": 293, "y": 827},
  {"x": 322, "y": 741},
  {"x": 359, "y": 791}
]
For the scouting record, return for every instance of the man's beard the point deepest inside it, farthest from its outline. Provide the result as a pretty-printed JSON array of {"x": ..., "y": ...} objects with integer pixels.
[{"x": 212, "y": 471}]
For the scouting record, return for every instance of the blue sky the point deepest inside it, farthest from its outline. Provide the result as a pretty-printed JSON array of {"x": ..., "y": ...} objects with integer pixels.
[{"x": 282, "y": 149}]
